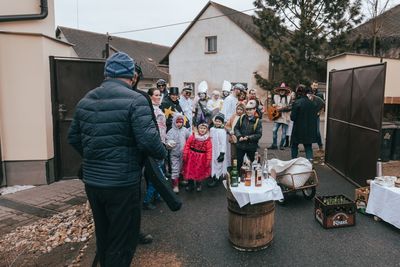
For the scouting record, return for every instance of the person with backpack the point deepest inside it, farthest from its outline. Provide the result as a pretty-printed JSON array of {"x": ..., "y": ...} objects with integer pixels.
[{"x": 248, "y": 131}]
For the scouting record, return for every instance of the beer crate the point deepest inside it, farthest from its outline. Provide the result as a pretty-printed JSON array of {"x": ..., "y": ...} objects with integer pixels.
[
  {"x": 335, "y": 211},
  {"x": 361, "y": 198}
]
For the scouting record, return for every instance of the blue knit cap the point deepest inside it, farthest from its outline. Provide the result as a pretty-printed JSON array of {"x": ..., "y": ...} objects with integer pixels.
[{"x": 119, "y": 65}]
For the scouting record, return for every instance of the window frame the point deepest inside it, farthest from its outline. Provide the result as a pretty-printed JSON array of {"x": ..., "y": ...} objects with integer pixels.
[{"x": 209, "y": 44}]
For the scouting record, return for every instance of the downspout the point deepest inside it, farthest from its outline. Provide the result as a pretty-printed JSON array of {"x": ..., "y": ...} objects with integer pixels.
[{"x": 43, "y": 14}]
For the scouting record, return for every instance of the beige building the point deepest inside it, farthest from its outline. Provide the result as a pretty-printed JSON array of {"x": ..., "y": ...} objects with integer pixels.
[
  {"x": 26, "y": 129},
  {"x": 220, "y": 44}
]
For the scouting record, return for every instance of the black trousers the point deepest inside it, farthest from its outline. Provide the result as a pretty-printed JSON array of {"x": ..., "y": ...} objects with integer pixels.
[
  {"x": 240, "y": 154},
  {"x": 116, "y": 214}
]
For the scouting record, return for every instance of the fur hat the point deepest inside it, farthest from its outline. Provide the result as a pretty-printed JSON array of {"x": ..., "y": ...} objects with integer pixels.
[
  {"x": 216, "y": 92},
  {"x": 119, "y": 65},
  {"x": 173, "y": 91},
  {"x": 240, "y": 87},
  {"x": 282, "y": 87},
  {"x": 251, "y": 104}
]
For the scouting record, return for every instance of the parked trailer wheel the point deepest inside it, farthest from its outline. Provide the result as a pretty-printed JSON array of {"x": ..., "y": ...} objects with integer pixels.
[{"x": 309, "y": 193}]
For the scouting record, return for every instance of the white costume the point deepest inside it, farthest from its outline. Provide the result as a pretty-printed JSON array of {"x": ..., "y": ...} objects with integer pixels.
[
  {"x": 229, "y": 107},
  {"x": 218, "y": 139},
  {"x": 187, "y": 108}
]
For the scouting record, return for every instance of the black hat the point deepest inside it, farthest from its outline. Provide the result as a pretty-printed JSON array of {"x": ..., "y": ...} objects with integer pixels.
[
  {"x": 220, "y": 117},
  {"x": 174, "y": 91}
]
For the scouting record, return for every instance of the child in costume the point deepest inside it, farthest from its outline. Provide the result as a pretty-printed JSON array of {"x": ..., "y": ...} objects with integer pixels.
[
  {"x": 197, "y": 157},
  {"x": 219, "y": 143},
  {"x": 176, "y": 139}
]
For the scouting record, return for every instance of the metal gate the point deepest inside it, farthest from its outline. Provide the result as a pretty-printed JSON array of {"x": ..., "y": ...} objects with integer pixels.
[
  {"x": 71, "y": 78},
  {"x": 355, "y": 109}
]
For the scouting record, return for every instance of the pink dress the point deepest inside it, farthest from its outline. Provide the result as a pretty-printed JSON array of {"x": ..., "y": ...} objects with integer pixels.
[{"x": 197, "y": 156}]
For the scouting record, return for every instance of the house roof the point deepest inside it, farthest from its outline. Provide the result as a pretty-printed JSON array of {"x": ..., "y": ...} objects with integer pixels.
[
  {"x": 389, "y": 21},
  {"x": 92, "y": 45},
  {"x": 242, "y": 20}
]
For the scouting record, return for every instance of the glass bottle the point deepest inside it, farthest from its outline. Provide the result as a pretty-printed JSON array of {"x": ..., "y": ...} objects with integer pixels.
[
  {"x": 234, "y": 174},
  {"x": 259, "y": 178},
  {"x": 265, "y": 165}
]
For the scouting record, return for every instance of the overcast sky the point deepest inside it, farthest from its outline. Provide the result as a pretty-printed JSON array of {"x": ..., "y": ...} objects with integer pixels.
[{"x": 124, "y": 15}]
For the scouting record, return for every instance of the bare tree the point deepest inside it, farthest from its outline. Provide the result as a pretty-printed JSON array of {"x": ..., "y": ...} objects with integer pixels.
[{"x": 375, "y": 9}]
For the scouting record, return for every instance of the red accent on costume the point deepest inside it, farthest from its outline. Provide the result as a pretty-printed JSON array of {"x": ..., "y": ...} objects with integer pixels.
[{"x": 197, "y": 165}]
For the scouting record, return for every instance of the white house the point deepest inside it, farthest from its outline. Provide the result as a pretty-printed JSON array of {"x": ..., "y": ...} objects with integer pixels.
[
  {"x": 220, "y": 44},
  {"x": 26, "y": 126}
]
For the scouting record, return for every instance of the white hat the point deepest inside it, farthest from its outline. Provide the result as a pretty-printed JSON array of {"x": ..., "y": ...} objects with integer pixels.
[
  {"x": 240, "y": 87},
  {"x": 226, "y": 86},
  {"x": 203, "y": 87},
  {"x": 251, "y": 104}
]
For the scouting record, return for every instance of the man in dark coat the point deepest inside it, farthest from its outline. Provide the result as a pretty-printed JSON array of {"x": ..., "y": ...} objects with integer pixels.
[
  {"x": 170, "y": 105},
  {"x": 248, "y": 131},
  {"x": 319, "y": 101},
  {"x": 113, "y": 131},
  {"x": 304, "y": 130}
]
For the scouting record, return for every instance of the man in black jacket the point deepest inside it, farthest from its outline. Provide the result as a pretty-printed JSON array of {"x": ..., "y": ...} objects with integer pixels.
[
  {"x": 112, "y": 129},
  {"x": 303, "y": 115}
]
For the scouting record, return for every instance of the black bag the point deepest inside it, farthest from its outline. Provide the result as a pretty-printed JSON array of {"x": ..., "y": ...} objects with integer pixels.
[{"x": 162, "y": 186}]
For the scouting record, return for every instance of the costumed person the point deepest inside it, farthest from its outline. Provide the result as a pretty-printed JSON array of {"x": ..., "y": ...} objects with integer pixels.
[
  {"x": 260, "y": 108},
  {"x": 186, "y": 104},
  {"x": 201, "y": 113},
  {"x": 176, "y": 139},
  {"x": 215, "y": 103},
  {"x": 318, "y": 100},
  {"x": 226, "y": 89},
  {"x": 218, "y": 140},
  {"x": 281, "y": 101},
  {"x": 290, "y": 126},
  {"x": 152, "y": 196},
  {"x": 229, "y": 108},
  {"x": 162, "y": 86},
  {"x": 170, "y": 105},
  {"x": 303, "y": 116},
  {"x": 248, "y": 131},
  {"x": 197, "y": 157},
  {"x": 242, "y": 98},
  {"x": 230, "y": 127}
]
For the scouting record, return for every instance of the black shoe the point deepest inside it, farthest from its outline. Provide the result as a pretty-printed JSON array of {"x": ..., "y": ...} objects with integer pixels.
[
  {"x": 212, "y": 182},
  {"x": 148, "y": 206},
  {"x": 272, "y": 147},
  {"x": 190, "y": 186},
  {"x": 157, "y": 200},
  {"x": 198, "y": 187},
  {"x": 145, "y": 238},
  {"x": 282, "y": 148}
]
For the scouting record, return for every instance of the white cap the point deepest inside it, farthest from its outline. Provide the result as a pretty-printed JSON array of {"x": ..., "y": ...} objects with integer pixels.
[
  {"x": 226, "y": 86},
  {"x": 203, "y": 87}
]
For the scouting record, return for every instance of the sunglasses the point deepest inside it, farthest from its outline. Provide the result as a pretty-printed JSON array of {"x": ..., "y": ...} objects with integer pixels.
[{"x": 250, "y": 108}]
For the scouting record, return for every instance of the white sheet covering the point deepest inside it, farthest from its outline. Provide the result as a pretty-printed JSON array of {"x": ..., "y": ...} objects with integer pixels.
[
  {"x": 384, "y": 202},
  {"x": 253, "y": 195},
  {"x": 294, "y": 166}
]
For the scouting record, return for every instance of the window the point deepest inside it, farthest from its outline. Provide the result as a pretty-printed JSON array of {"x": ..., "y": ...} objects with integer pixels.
[
  {"x": 211, "y": 44},
  {"x": 189, "y": 84}
]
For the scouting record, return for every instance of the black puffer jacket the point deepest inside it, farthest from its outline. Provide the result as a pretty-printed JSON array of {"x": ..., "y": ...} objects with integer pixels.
[
  {"x": 113, "y": 131},
  {"x": 250, "y": 127}
]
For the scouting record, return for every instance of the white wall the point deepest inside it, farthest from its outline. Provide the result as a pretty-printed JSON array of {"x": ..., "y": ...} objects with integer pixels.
[
  {"x": 25, "y": 96},
  {"x": 21, "y": 7},
  {"x": 237, "y": 57}
]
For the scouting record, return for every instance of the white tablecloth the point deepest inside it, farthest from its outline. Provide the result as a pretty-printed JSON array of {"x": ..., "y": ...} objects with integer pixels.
[
  {"x": 253, "y": 195},
  {"x": 384, "y": 202}
]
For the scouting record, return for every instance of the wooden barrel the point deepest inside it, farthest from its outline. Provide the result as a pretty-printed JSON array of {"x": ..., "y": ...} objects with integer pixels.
[{"x": 250, "y": 227}]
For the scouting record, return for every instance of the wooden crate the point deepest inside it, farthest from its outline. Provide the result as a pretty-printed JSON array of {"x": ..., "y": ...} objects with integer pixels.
[
  {"x": 335, "y": 211},
  {"x": 361, "y": 198}
]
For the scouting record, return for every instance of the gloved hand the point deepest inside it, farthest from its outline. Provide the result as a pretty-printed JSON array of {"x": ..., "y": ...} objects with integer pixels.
[{"x": 221, "y": 157}]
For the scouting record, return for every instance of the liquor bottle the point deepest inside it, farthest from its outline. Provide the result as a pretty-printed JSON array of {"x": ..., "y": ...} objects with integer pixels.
[
  {"x": 379, "y": 168},
  {"x": 265, "y": 165},
  {"x": 234, "y": 174},
  {"x": 248, "y": 176},
  {"x": 258, "y": 177},
  {"x": 255, "y": 162}
]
